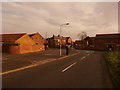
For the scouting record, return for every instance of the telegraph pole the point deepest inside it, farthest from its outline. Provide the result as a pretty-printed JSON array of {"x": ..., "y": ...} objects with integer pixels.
[{"x": 60, "y": 35}]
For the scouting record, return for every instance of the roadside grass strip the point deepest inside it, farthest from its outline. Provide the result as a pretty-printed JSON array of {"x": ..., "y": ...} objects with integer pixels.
[
  {"x": 36, "y": 64},
  {"x": 113, "y": 62}
]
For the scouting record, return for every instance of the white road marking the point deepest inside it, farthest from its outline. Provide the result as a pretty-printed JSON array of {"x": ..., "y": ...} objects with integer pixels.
[
  {"x": 50, "y": 54},
  {"x": 29, "y": 66},
  {"x": 75, "y": 63},
  {"x": 87, "y": 51},
  {"x": 68, "y": 67},
  {"x": 7, "y": 72},
  {"x": 82, "y": 58}
]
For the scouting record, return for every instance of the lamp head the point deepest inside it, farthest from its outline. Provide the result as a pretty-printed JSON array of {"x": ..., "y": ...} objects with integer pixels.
[{"x": 67, "y": 23}]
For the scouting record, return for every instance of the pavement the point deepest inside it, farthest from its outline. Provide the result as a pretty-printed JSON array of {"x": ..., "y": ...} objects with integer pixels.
[{"x": 84, "y": 70}]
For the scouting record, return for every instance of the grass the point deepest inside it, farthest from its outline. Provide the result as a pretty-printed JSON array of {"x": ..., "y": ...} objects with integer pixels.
[{"x": 113, "y": 62}]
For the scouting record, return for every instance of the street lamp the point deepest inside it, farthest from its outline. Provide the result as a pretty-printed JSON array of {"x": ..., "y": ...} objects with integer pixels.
[{"x": 60, "y": 35}]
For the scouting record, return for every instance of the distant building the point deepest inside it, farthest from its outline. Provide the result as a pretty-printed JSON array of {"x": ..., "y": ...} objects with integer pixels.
[
  {"x": 80, "y": 44},
  {"x": 39, "y": 40},
  {"x": 100, "y": 42},
  {"x": 104, "y": 41},
  {"x": 54, "y": 41},
  {"x": 87, "y": 43}
]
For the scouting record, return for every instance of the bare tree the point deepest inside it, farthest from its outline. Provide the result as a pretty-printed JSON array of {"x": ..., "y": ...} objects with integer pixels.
[{"x": 82, "y": 35}]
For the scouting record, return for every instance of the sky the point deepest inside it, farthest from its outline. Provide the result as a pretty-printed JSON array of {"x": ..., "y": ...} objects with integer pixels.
[{"x": 30, "y": 17}]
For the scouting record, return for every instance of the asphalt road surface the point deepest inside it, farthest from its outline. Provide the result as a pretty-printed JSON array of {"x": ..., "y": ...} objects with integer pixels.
[
  {"x": 14, "y": 61},
  {"x": 84, "y": 70}
]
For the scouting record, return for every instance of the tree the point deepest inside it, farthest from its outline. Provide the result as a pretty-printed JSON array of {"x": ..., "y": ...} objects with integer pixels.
[{"x": 82, "y": 35}]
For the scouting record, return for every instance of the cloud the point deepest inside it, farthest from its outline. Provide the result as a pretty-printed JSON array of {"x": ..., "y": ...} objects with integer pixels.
[{"x": 91, "y": 17}]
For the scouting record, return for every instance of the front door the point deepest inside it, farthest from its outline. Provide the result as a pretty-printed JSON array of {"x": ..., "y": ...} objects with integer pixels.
[{"x": 110, "y": 47}]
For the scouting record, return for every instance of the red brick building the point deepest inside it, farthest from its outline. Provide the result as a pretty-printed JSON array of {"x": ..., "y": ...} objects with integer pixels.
[
  {"x": 54, "y": 42},
  {"x": 100, "y": 42},
  {"x": 103, "y": 41},
  {"x": 87, "y": 43},
  {"x": 39, "y": 40},
  {"x": 80, "y": 44},
  {"x": 18, "y": 43}
]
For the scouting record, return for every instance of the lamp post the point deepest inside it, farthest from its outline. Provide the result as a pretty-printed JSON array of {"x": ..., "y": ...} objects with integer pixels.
[{"x": 60, "y": 35}]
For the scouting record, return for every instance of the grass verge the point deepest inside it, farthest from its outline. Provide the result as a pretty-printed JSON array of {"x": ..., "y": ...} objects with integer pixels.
[{"x": 113, "y": 61}]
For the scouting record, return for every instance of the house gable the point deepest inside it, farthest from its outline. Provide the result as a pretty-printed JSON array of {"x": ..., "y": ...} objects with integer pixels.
[
  {"x": 38, "y": 39},
  {"x": 25, "y": 40}
]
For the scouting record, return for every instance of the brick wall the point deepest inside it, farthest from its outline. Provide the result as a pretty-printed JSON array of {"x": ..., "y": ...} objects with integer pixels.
[
  {"x": 38, "y": 48},
  {"x": 14, "y": 49},
  {"x": 38, "y": 39},
  {"x": 101, "y": 44},
  {"x": 27, "y": 44},
  {"x": 11, "y": 49}
]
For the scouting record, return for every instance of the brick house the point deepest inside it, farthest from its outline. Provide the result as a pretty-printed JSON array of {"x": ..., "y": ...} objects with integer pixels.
[
  {"x": 100, "y": 42},
  {"x": 18, "y": 43},
  {"x": 54, "y": 42},
  {"x": 103, "y": 41},
  {"x": 39, "y": 40},
  {"x": 80, "y": 44},
  {"x": 87, "y": 43}
]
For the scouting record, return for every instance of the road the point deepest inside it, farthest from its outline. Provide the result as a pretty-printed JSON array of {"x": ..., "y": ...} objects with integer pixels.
[
  {"x": 84, "y": 70},
  {"x": 14, "y": 61}
]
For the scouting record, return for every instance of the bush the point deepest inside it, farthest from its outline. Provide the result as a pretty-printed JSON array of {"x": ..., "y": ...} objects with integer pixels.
[{"x": 113, "y": 61}]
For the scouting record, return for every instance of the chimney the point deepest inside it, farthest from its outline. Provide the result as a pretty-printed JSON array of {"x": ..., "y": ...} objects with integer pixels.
[{"x": 53, "y": 35}]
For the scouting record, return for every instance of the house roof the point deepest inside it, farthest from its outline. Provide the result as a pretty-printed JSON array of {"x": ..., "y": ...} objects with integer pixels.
[
  {"x": 108, "y": 35},
  {"x": 80, "y": 41},
  {"x": 31, "y": 34},
  {"x": 68, "y": 37},
  {"x": 58, "y": 37},
  {"x": 93, "y": 38},
  {"x": 34, "y": 34},
  {"x": 11, "y": 37},
  {"x": 63, "y": 38}
]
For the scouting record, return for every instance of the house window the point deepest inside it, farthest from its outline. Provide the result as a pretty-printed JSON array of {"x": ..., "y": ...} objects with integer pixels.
[{"x": 36, "y": 43}]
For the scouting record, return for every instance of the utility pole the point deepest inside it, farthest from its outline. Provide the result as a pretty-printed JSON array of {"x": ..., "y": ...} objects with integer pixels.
[
  {"x": 46, "y": 42},
  {"x": 60, "y": 40},
  {"x": 60, "y": 36}
]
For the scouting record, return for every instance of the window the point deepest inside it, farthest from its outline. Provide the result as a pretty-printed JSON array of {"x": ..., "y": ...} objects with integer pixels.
[{"x": 36, "y": 43}]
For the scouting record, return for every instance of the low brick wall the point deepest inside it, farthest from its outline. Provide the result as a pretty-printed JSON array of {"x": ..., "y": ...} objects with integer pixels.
[
  {"x": 11, "y": 49},
  {"x": 22, "y": 49},
  {"x": 14, "y": 49}
]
